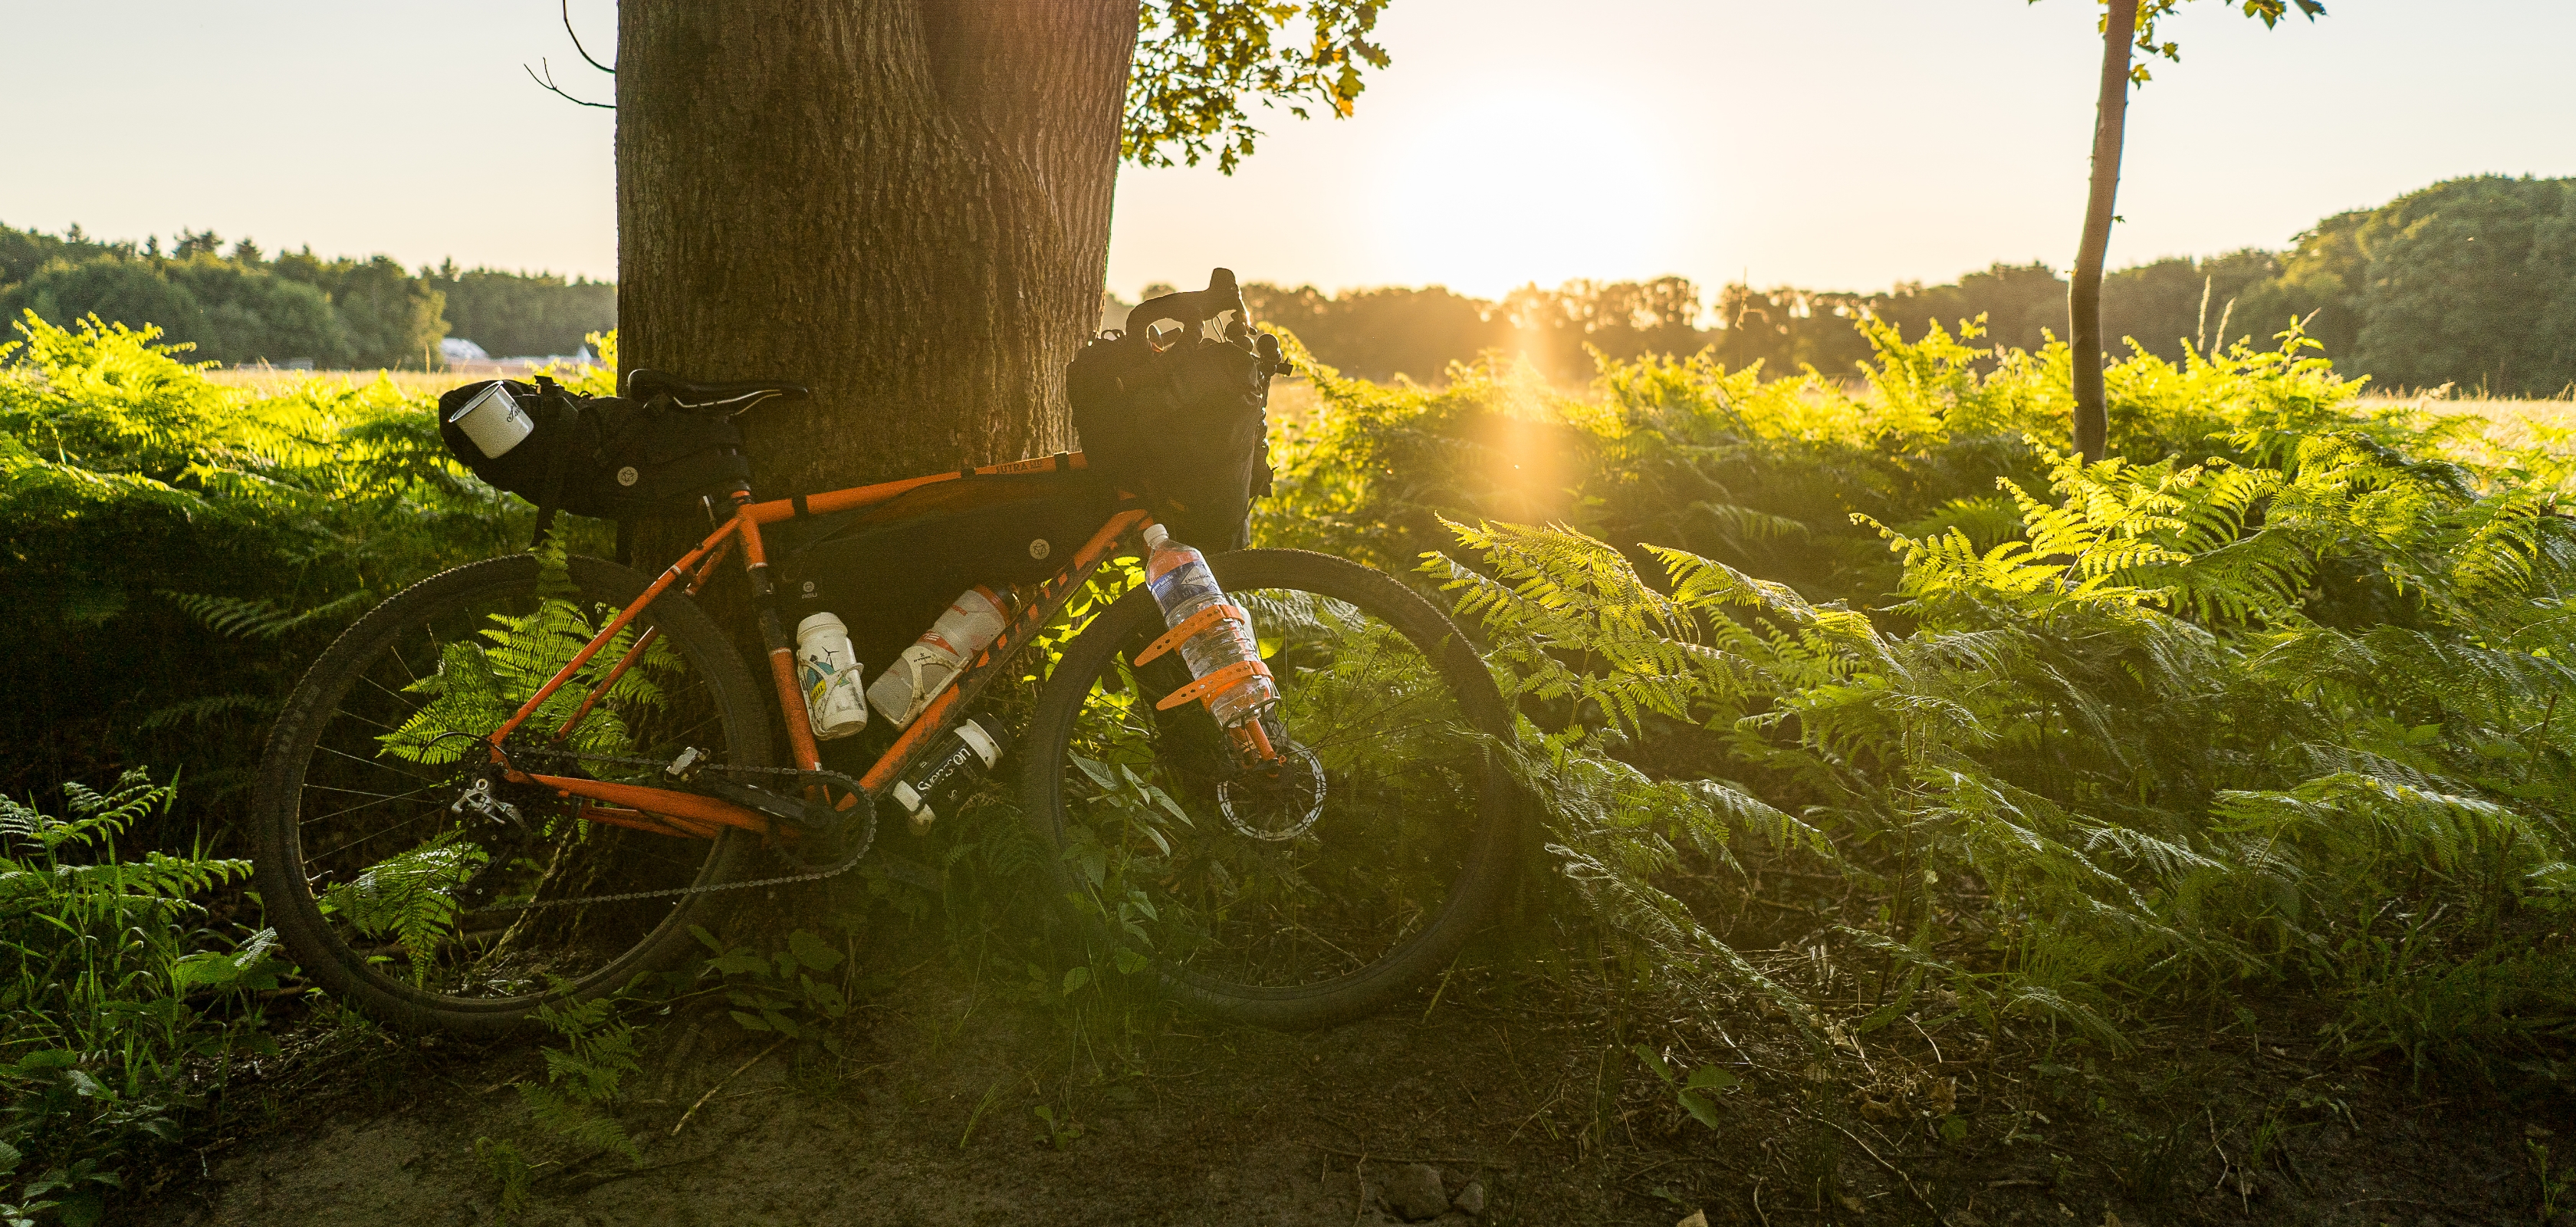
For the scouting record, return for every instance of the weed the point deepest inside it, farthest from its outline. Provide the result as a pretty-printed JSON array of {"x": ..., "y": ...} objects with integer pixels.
[
  {"x": 583, "y": 1076},
  {"x": 1061, "y": 1134},
  {"x": 1698, "y": 1092},
  {"x": 510, "y": 1173},
  {"x": 788, "y": 992},
  {"x": 116, "y": 996}
]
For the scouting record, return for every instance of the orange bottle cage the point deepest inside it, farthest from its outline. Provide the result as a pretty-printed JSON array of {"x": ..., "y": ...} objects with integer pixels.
[
  {"x": 1222, "y": 611},
  {"x": 1209, "y": 686}
]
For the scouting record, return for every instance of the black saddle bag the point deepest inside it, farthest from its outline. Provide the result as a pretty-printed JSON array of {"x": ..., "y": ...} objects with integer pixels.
[
  {"x": 1179, "y": 417},
  {"x": 603, "y": 456}
]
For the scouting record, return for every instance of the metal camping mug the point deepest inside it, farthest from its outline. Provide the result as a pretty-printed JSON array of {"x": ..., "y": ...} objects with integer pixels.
[{"x": 494, "y": 421}]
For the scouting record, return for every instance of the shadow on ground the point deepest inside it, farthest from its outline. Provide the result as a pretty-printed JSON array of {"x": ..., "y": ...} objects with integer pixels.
[{"x": 1526, "y": 1109}]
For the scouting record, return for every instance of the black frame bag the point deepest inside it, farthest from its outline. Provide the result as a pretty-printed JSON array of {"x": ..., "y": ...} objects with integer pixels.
[{"x": 1178, "y": 417}]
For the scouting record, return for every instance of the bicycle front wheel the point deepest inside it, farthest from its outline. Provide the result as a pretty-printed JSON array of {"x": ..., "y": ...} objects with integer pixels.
[
  {"x": 409, "y": 882},
  {"x": 1311, "y": 893}
]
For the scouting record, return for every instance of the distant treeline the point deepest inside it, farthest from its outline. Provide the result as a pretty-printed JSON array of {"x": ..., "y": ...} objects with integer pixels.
[
  {"x": 2470, "y": 282},
  {"x": 244, "y": 305}
]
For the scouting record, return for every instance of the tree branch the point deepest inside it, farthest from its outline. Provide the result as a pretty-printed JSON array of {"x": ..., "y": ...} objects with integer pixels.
[
  {"x": 585, "y": 51},
  {"x": 548, "y": 83}
]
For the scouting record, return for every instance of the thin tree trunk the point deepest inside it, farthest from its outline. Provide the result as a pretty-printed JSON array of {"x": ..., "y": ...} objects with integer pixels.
[
  {"x": 902, "y": 203},
  {"x": 2084, "y": 294}
]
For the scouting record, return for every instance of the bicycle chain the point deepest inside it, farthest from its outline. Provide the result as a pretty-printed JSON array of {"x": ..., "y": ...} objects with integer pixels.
[{"x": 867, "y": 839}]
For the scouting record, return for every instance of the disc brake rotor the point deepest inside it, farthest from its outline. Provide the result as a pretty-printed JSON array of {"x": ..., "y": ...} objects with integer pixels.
[{"x": 1279, "y": 804}]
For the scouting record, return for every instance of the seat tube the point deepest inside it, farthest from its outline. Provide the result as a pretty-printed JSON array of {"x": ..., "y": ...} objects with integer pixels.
[{"x": 773, "y": 636}]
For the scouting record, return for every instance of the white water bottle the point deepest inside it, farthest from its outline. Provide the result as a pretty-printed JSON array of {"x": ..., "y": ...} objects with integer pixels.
[
  {"x": 972, "y": 622},
  {"x": 828, "y": 668},
  {"x": 1183, "y": 585}
]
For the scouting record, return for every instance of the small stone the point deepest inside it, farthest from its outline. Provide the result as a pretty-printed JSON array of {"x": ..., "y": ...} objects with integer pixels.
[
  {"x": 1470, "y": 1199},
  {"x": 1415, "y": 1192},
  {"x": 1698, "y": 1218}
]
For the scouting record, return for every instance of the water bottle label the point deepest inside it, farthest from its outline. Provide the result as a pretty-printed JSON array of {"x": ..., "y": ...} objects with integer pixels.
[{"x": 1182, "y": 585}]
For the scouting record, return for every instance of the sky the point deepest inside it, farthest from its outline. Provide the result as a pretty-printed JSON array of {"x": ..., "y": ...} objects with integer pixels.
[{"x": 1844, "y": 144}]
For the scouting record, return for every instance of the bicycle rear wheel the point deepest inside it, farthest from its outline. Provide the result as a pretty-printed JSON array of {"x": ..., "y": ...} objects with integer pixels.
[
  {"x": 396, "y": 891},
  {"x": 1303, "y": 896}
]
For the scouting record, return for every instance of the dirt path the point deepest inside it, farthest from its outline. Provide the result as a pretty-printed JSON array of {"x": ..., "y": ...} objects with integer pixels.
[{"x": 933, "y": 1119}]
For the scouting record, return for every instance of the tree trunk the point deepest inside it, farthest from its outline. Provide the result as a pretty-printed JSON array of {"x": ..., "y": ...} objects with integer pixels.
[
  {"x": 2084, "y": 293},
  {"x": 903, "y": 204}
]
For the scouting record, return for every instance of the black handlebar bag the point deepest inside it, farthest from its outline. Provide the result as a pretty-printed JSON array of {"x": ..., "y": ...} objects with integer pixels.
[{"x": 1180, "y": 417}]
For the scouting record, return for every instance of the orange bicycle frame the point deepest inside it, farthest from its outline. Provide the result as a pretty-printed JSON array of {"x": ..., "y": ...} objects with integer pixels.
[{"x": 692, "y": 815}]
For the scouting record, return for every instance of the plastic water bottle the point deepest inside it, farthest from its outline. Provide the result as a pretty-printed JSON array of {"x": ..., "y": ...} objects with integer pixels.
[
  {"x": 949, "y": 769},
  {"x": 828, "y": 668},
  {"x": 972, "y": 622},
  {"x": 1183, "y": 586}
]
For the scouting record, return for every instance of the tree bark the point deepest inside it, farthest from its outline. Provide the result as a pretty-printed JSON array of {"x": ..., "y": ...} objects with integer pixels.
[
  {"x": 2084, "y": 291},
  {"x": 903, "y": 204}
]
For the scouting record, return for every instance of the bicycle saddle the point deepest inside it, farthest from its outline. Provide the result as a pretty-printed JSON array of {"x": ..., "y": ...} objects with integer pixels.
[{"x": 737, "y": 396}]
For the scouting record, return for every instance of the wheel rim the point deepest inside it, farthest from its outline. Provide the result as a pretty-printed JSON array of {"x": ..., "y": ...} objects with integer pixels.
[
  {"x": 414, "y": 893},
  {"x": 1295, "y": 902}
]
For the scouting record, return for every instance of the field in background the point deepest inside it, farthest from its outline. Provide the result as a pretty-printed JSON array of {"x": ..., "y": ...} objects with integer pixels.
[
  {"x": 1293, "y": 400},
  {"x": 271, "y": 381},
  {"x": 2515, "y": 414}
]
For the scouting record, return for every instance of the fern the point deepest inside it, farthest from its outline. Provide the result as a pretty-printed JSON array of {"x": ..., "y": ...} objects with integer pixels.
[
  {"x": 583, "y": 1076},
  {"x": 410, "y": 896},
  {"x": 2172, "y": 724}
]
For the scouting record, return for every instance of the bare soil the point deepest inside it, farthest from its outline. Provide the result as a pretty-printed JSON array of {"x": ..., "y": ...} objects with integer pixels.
[{"x": 1527, "y": 1088}]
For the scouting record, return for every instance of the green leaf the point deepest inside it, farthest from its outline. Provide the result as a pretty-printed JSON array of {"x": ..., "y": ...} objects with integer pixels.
[
  {"x": 1711, "y": 1078},
  {"x": 83, "y": 1209},
  {"x": 748, "y": 1022},
  {"x": 1075, "y": 978},
  {"x": 1954, "y": 1128},
  {"x": 1653, "y": 1062},
  {"x": 1701, "y": 1107},
  {"x": 1129, "y": 962},
  {"x": 813, "y": 951}
]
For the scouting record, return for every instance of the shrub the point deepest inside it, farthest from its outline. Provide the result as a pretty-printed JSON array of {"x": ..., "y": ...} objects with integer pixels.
[{"x": 2269, "y": 703}]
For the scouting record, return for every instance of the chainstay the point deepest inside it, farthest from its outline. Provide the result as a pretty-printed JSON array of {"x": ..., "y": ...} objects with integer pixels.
[{"x": 866, "y": 844}]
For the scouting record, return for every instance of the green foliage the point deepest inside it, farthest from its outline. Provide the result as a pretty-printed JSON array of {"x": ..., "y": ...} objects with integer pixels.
[
  {"x": 239, "y": 308},
  {"x": 582, "y": 1081},
  {"x": 2271, "y": 703},
  {"x": 410, "y": 896},
  {"x": 121, "y": 1006},
  {"x": 510, "y": 1172},
  {"x": 789, "y": 992},
  {"x": 182, "y": 550},
  {"x": 1195, "y": 63},
  {"x": 1697, "y": 1092}
]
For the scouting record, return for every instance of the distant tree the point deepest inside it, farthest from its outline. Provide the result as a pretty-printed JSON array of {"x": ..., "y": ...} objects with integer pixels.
[
  {"x": 252, "y": 315},
  {"x": 2168, "y": 306},
  {"x": 2472, "y": 281},
  {"x": 116, "y": 290},
  {"x": 522, "y": 313},
  {"x": 2125, "y": 23},
  {"x": 393, "y": 318}
]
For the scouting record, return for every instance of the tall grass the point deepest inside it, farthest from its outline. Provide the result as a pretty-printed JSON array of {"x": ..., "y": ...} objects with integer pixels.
[{"x": 119, "y": 1004}]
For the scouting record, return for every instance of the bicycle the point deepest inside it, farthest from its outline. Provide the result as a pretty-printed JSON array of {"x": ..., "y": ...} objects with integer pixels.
[{"x": 525, "y": 780}]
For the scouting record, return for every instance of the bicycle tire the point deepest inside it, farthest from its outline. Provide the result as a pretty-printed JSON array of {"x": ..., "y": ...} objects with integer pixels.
[
  {"x": 1479, "y": 862},
  {"x": 314, "y": 728}
]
